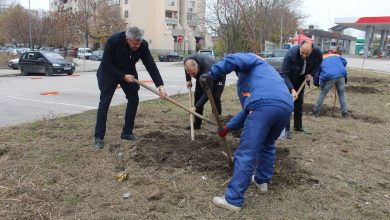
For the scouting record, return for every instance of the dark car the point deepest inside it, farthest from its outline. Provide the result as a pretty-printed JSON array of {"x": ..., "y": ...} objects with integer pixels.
[
  {"x": 96, "y": 55},
  {"x": 276, "y": 58},
  {"x": 170, "y": 57},
  {"x": 48, "y": 63}
]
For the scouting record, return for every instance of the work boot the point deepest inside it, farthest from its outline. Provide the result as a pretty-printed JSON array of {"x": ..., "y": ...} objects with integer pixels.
[
  {"x": 221, "y": 202},
  {"x": 99, "y": 144},
  {"x": 288, "y": 134},
  {"x": 345, "y": 114},
  {"x": 263, "y": 188},
  {"x": 316, "y": 113},
  {"x": 129, "y": 137},
  {"x": 304, "y": 130}
]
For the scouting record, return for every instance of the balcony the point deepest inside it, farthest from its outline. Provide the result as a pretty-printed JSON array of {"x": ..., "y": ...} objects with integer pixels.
[
  {"x": 171, "y": 21},
  {"x": 192, "y": 22},
  {"x": 199, "y": 34},
  {"x": 177, "y": 32}
]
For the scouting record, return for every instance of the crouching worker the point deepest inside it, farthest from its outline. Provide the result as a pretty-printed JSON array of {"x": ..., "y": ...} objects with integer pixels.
[
  {"x": 266, "y": 107},
  {"x": 332, "y": 72}
]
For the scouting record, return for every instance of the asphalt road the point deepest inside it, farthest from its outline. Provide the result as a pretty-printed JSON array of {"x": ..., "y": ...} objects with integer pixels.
[{"x": 21, "y": 100}]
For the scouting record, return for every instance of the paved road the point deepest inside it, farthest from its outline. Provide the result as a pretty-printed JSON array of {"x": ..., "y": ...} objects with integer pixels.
[
  {"x": 20, "y": 99},
  {"x": 375, "y": 64}
]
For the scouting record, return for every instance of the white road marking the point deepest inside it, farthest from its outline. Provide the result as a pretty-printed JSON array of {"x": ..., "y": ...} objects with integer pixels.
[{"x": 56, "y": 103}]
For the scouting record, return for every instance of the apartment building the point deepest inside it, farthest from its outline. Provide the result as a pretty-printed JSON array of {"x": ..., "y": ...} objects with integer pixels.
[{"x": 168, "y": 24}]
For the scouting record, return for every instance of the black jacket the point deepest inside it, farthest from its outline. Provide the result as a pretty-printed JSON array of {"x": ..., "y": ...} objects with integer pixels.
[
  {"x": 118, "y": 60},
  {"x": 292, "y": 66},
  {"x": 205, "y": 62}
]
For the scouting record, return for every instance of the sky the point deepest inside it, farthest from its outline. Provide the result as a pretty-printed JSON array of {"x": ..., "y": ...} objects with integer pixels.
[
  {"x": 320, "y": 12},
  {"x": 323, "y": 12}
]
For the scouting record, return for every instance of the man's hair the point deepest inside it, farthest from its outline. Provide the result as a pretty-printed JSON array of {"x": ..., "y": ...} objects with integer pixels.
[
  {"x": 134, "y": 33},
  {"x": 306, "y": 41},
  {"x": 192, "y": 63}
]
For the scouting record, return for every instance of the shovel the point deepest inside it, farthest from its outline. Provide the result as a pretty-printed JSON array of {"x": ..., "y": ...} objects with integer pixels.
[
  {"x": 191, "y": 116},
  {"x": 173, "y": 101},
  {"x": 219, "y": 123}
]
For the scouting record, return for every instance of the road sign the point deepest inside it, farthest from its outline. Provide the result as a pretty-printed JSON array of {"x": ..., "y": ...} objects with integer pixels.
[{"x": 180, "y": 38}]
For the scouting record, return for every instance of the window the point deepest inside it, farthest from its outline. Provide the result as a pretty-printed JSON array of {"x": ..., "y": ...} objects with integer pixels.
[
  {"x": 30, "y": 56},
  {"x": 126, "y": 13},
  {"x": 168, "y": 14},
  {"x": 126, "y": 1}
]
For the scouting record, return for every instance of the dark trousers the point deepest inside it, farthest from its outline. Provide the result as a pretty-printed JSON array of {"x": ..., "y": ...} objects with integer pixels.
[
  {"x": 199, "y": 91},
  {"x": 107, "y": 90},
  {"x": 298, "y": 105}
]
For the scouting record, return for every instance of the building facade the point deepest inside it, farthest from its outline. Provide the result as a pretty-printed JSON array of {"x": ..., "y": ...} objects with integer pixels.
[{"x": 168, "y": 25}]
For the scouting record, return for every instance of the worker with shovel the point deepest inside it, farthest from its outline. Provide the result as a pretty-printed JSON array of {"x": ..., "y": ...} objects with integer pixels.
[
  {"x": 121, "y": 53},
  {"x": 299, "y": 65},
  {"x": 266, "y": 107},
  {"x": 195, "y": 66},
  {"x": 332, "y": 72}
]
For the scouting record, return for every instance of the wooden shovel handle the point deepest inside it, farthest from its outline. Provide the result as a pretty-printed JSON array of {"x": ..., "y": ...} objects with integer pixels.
[{"x": 174, "y": 102}]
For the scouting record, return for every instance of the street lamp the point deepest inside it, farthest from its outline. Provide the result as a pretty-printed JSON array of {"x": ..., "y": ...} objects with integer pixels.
[{"x": 30, "y": 41}]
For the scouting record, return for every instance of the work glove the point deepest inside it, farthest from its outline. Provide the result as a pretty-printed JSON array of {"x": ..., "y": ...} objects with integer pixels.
[
  {"x": 223, "y": 131},
  {"x": 205, "y": 81}
]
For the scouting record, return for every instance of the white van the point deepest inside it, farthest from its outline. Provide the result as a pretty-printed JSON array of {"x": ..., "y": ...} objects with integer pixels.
[{"x": 84, "y": 53}]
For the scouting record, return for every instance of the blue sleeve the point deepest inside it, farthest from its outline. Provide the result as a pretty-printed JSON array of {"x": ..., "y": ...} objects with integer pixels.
[
  {"x": 108, "y": 60},
  {"x": 316, "y": 77},
  {"x": 239, "y": 62},
  {"x": 344, "y": 61},
  {"x": 237, "y": 121}
]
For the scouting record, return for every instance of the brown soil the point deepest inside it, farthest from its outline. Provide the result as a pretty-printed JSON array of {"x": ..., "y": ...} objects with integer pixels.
[{"x": 49, "y": 169}]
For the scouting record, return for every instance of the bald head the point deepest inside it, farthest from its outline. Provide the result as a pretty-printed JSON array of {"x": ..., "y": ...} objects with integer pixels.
[
  {"x": 306, "y": 49},
  {"x": 191, "y": 67}
]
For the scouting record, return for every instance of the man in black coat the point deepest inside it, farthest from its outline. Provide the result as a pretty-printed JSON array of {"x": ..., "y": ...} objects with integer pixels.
[
  {"x": 121, "y": 53},
  {"x": 299, "y": 65},
  {"x": 195, "y": 66}
]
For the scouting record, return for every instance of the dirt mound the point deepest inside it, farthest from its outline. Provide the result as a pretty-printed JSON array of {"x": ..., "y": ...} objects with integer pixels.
[
  {"x": 362, "y": 89},
  {"x": 327, "y": 111},
  {"x": 172, "y": 150},
  {"x": 365, "y": 80},
  {"x": 205, "y": 154}
]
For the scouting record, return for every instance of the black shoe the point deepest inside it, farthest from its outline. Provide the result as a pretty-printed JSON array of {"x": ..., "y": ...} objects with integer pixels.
[
  {"x": 129, "y": 137},
  {"x": 288, "y": 135},
  {"x": 99, "y": 144},
  {"x": 345, "y": 114},
  {"x": 302, "y": 130}
]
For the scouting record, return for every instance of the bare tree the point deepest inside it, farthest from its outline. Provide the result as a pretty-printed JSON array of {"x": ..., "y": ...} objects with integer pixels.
[
  {"x": 106, "y": 20},
  {"x": 244, "y": 25},
  {"x": 65, "y": 28}
]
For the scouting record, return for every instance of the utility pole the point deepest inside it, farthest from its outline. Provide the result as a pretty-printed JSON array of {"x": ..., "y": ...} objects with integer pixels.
[
  {"x": 281, "y": 32},
  {"x": 30, "y": 40}
]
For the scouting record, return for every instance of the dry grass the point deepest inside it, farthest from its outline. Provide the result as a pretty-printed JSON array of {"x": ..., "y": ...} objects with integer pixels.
[{"x": 49, "y": 169}]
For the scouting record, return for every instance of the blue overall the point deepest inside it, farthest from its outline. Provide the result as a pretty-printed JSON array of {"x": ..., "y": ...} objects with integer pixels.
[{"x": 266, "y": 108}]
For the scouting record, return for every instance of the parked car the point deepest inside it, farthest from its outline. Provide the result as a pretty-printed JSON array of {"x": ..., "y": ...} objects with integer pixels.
[
  {"x": 48, "y": 63},
  {"x": 276, "y": 58},
  {"x": 170, "y": 57},
  {"x": 14, "y": 63},
  {"x": 96, "y": 55},
  {"x": 84, "y": 53},
  {"x": 266, "y": 53},
  {"x": 207, "y": 52}
]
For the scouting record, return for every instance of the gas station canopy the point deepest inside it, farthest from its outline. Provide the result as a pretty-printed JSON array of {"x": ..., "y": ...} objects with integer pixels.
[
  {"x": 371, "y": 25},
  {"x": 379, "y": 23}
]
